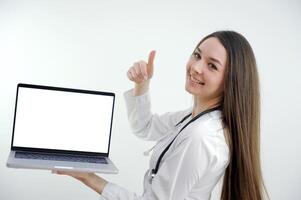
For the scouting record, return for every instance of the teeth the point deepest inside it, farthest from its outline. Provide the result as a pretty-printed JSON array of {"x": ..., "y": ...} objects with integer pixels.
[{"x": 196, "y": 81}]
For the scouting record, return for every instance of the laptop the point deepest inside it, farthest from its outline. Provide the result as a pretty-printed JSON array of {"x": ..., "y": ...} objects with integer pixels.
[{"x": 62, "y": 129}]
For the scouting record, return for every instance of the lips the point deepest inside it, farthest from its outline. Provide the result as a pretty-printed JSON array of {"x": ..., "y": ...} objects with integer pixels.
[{"x": 194, "y": 80}]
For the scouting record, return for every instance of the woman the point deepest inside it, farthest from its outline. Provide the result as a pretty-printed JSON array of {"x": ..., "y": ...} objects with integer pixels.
[{"x": 217, "y": 137}]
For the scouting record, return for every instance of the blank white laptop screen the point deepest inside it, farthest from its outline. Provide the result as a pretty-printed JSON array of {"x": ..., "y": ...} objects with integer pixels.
[{"x": 62, "y": 120}]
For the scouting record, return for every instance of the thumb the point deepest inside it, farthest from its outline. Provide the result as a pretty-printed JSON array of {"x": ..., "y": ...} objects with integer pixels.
[{"x": 150, "y": 63}]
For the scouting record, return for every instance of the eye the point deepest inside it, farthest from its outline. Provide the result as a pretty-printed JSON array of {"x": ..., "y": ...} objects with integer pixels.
[
  {"x": 196, "y": 55},
  {"x": 212, "y": 66}
]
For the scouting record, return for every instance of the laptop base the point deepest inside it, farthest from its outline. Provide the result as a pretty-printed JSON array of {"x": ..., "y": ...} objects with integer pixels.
[{"x": 43, "y": 164}]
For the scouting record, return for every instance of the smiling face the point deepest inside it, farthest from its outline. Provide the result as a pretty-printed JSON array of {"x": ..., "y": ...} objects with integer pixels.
[{"x": 205, "y": 71}]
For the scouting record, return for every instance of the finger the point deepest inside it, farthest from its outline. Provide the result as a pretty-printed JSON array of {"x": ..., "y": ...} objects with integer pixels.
[
  {"x": 130, "y": 76},
  {"x": 143, "y": 69},
  {"x": 62, "y": 172},
  {"x": 150, "y": 63},
  {"x": 134, "y": 76},
  {"x": 142, "y": 72},
  {"x": 133, "y": 71},
  {"x": 151, "y": 57},
  {"x": 59, "y": 172},
  {"x": 138, "y": 71}
]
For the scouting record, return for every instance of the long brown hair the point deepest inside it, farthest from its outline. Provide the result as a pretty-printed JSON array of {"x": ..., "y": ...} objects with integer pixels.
[{"x": 241, "y": 117}]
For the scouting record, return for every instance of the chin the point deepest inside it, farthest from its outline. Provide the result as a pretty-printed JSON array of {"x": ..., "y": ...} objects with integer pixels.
[{"x": 189, "y": 90}]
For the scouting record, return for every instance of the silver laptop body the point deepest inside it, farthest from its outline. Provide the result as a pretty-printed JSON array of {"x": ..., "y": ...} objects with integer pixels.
[{"x": 62, "y": 129}]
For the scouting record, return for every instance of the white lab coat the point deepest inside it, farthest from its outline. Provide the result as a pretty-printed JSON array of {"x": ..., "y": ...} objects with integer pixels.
[{"x": 192, "y": 166}]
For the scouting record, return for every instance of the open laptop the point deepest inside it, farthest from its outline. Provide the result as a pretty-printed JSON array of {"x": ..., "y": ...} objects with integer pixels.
[{"x": 62, "y": 129}]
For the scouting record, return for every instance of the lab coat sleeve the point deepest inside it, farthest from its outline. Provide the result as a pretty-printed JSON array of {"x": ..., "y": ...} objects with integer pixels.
[{"x": 143, "y": 122}]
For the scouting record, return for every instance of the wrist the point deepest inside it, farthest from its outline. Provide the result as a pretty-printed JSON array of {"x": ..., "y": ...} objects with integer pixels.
[
  {"x": 86, "y": 177},
  {"x": 141, "y": 88},
  {"x": 95, "y": 182}
]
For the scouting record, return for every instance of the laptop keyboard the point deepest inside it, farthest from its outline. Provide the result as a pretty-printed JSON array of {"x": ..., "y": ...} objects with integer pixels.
[{"x": 59, "y": 157}]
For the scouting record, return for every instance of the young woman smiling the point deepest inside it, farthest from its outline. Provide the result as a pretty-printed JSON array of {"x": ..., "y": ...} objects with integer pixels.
[{"x": 218, "y": 137}]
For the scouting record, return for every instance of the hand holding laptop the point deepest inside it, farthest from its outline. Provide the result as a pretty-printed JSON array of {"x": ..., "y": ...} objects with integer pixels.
[{"x": 90, "y": 179}]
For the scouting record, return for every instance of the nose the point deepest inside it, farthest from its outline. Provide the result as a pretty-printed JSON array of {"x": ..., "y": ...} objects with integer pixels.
[{"x": 198, "y": 67}]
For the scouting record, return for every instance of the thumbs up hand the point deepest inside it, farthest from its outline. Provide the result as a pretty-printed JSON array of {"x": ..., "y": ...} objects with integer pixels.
[{"x": 141, "y": 72}]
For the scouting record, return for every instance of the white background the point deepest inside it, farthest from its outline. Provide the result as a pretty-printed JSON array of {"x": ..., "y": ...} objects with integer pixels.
[
  {"x": 90, "y": 44},
  {"x": 63, "y": 120}
]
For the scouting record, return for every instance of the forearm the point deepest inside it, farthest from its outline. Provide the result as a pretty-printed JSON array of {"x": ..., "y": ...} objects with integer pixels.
[{"x": 95, "y": 182}]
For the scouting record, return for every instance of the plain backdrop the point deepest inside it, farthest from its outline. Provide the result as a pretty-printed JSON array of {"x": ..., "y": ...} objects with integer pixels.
[{"x": 90, "y": 44}]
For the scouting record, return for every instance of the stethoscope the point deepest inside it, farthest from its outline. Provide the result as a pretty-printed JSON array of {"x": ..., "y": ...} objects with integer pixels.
[{"x": 154, "y": 171}]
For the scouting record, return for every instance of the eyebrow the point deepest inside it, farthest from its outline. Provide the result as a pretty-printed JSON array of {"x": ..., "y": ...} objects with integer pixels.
[{"x": 214, "y": 59}]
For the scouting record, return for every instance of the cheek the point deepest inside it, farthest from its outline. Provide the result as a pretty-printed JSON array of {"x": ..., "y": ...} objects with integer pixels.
[
  {"x": 220, "y": 85},
  {"x": 187, "y": 67},
  {"x": 217, "y": 83}
]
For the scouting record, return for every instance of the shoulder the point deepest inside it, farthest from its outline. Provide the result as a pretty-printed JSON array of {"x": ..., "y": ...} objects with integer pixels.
[
  {"x": 209, "y": 125},
  {"x": 208, "y": 135},
  {"x": 174, "y": 117}
]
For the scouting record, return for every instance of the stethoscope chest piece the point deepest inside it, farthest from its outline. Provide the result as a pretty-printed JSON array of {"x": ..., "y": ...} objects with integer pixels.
[{"x": 151, "y": 176}]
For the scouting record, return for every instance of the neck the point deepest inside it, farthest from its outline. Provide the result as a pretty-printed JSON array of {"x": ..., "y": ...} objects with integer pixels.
[{"x": 200, "y": 106}]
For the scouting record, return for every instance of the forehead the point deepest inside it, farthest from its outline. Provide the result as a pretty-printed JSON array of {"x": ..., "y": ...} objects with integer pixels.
[{"x": 212, "y": 47}]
